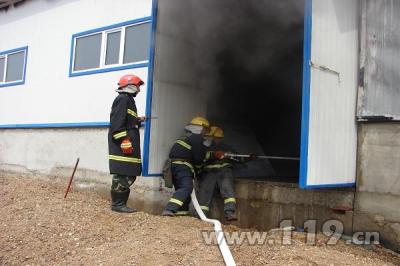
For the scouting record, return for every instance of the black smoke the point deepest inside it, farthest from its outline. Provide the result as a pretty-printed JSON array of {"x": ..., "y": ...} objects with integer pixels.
[
  {"x": 248, "y": 60},
  {"x": 250, "y": 56}
]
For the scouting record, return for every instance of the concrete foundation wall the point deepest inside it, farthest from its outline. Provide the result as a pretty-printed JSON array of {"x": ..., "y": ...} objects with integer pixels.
[
  {"x": 378, "y": 186},
  {"x": 53, "y": 152},
  {"x": 263, "y": 205},
  {"x": 47, "y": 150}
]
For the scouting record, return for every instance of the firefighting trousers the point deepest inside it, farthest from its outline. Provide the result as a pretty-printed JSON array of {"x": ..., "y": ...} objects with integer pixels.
[
  {"x": 121, "y": 183},
  {"x": 182, "y": 178},
  {"x": 221, "y": 178}
]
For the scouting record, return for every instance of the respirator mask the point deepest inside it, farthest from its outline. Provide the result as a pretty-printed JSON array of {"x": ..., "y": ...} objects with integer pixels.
[{"x": 207, "y": 141}]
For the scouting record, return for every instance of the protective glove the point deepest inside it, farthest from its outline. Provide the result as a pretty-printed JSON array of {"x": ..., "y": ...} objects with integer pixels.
[
  {"x": 219, "y": 155},
  {"x": 253, "y": 156},
  {"x": 126, "y": 146}
]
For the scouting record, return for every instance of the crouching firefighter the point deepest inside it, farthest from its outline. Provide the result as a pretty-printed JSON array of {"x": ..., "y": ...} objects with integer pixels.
[
  {"x": 186, "y": 152},
  {"x": 124, "y": 142},
  {"x": 217, "y": 172}
]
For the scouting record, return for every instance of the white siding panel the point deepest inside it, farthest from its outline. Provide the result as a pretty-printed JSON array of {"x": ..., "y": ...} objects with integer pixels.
[
  {"x": 334, "y": 68},
  {"x": 49, "y": 95}
]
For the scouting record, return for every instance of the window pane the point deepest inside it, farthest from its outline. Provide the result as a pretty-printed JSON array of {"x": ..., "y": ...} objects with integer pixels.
[
  {"x": 87, "y": 52},
  {"x": 15, "y": 66},
  {"x": 2, "y": 61},
  {"x": 112, "y": 53},
  {"x": 137, "y": 43}
]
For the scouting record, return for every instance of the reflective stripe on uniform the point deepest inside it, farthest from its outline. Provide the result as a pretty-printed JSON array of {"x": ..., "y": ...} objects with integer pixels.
[
  {"x": 184, "y": 163},
  {"x": 132, "y": 113},
  {"x": 181, "y": 213},
  {"x": 208, "y": 156},
  {"x": 184, "y": 144},
  {"x": 228, "y": 200},
  {"x": 176, "y": 201},
  {"x": 120, "y": 135},
  {"x": 126, "y": 145},
  {"x": 198, "y": 166},
  {"x": 213, "y": 166},
  {"x": 204, "y": 208},
  {"x": 124, "y": 159}
]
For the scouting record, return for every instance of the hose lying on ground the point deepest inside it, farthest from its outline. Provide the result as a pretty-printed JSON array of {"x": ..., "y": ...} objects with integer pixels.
[{"x": 219, "y": 234}]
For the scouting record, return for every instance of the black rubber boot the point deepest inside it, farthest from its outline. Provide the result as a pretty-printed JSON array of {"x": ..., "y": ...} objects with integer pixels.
[
  {"x": 230, "y": 216},
  {"x": 118, "y": 202},
  {"x": 126, "y": 197},
  {"x": 167, "y": 213}
]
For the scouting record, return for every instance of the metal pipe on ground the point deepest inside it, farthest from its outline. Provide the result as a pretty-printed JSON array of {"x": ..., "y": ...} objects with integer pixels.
[{"x": 71, "y": 178}]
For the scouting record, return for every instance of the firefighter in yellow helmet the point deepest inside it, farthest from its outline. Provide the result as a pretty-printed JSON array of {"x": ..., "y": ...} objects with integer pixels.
[
  {"x": 186, "y": 152},
  {"x": 217, "y": 172}
]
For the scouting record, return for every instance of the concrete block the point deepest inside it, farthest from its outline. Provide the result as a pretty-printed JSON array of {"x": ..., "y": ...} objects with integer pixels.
[{"x": 379, "y": 158}]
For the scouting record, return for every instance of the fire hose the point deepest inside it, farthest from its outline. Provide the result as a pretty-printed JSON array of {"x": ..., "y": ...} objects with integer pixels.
[{"x": 219, "y": 234}]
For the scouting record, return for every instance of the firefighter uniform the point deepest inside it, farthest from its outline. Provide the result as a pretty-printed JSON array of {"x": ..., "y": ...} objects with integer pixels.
[
  {"x": 217, "y": 173},
  {"x": 124, "y": 123},
  {"x": 185, "y": 154},
  {"x": 124, "y": 142}
]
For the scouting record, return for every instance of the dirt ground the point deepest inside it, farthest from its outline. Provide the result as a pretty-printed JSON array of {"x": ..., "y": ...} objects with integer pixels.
[{"x": 39, "y": 227}]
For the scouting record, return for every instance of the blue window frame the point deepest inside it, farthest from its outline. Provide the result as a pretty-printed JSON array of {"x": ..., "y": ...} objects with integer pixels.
[
  {"x": 13, "y": 66},
  {"x": 116, "y": 47}
]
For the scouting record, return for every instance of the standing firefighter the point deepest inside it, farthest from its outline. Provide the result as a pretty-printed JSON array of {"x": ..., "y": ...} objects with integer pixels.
[
  {"x": 218, "y": 172},
  {"x": 124, "y": 142},
  {"x": 187, "y": 152}
]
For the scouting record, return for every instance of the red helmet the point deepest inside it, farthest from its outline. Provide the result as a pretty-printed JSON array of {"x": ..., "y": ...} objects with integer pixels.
[{"x": 129, "y": 80}]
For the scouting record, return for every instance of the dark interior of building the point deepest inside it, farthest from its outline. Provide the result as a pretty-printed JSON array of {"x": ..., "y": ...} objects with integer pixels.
[
  {"x": 240, "y": 63},
  {"x": 259, "y": 69}
]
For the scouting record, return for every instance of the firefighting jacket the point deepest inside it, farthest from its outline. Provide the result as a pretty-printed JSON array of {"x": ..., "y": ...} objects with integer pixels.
[
  {"x": 124, "y": 123},
  {"x": 188, "y": 151},
  {"x": 212, "y": 163}
]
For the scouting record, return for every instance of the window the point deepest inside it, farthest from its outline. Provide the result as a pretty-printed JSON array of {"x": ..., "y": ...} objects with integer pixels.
[
  {"x": 136, "y": 50},
  {"x": 12, "y": 67},
  {"x": 87, "y": 52},
  {"x": 2, "y": 67},
  {"x": 111, "y": 48}
]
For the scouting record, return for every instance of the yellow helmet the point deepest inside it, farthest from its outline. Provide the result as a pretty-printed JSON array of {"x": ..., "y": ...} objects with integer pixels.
[
  {"x": 200, "y": 121},
  {"x": 211, "y": 131},
  {"x": 217, "y": 132}
]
